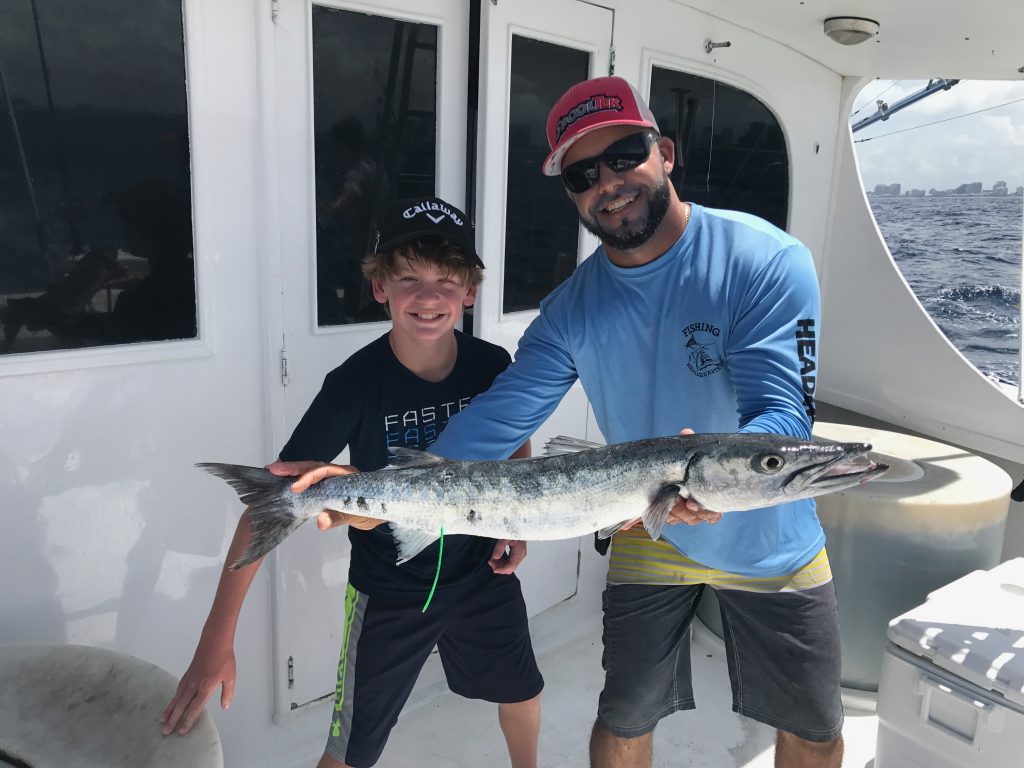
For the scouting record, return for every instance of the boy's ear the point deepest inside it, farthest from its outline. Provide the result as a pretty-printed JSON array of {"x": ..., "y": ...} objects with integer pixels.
[
  {"x": 470, "y": 296},
  {"x": 378, "y": 290}
]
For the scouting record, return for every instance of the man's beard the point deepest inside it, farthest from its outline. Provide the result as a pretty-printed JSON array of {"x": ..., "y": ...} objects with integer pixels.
[{"x": 624, "y": 239}]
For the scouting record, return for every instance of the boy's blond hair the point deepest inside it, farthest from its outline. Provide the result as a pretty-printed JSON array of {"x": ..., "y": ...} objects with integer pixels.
[{"x": 448, "y": 257}]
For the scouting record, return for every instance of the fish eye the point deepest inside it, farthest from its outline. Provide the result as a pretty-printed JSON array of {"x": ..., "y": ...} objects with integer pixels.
[{"x": 770, "y": 463}]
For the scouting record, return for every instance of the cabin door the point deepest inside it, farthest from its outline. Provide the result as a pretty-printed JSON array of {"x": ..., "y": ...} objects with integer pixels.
[
  {"x": 368, "y": 106},
  {"x": 527, "y": 231}
]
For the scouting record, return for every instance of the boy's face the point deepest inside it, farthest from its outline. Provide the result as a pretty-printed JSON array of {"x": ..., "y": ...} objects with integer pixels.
[{"x": 425, "y": 301}]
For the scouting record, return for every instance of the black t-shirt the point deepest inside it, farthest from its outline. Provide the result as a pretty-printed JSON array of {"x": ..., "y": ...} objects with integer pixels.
[{"x": 370, "y": 403}]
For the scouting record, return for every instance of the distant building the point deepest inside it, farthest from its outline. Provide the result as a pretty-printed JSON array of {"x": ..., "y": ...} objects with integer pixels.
[
  {"x": 999, "y": 189},
  {"x": 974, "y": 188}
]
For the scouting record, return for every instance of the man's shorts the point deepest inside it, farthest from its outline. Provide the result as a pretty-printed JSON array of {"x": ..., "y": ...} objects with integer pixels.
[
  {"x": 782, "y": 649},
  {"x": 481, "y": 633}
]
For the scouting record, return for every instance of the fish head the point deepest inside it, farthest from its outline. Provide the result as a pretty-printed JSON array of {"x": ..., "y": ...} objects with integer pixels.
[{"x": 754, "y": 471}]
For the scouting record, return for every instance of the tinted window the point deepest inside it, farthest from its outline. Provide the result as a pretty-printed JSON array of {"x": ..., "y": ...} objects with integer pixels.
[
  {"x": 375, "y": 123},
  {"x": 541, "y": 226},
  {"x": 730, "y": 151},
  {"x": 95, "y": 202}
]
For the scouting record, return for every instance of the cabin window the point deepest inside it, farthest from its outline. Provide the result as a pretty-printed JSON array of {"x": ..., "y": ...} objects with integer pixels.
[
  {"x": 375, "y": 142},
  {"x": 730, "y": 150},
  {"x": 541, "y": 227},
  {"x": 95, "y": 188}
]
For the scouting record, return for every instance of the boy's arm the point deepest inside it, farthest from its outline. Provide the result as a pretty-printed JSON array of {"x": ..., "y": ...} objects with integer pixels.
[{"x": 214, "y": 661}]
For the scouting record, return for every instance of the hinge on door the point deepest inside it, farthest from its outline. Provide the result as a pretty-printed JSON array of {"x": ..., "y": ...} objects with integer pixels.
[
  {"x": 611, "y": 60},
  {"x": 273, "y": 10},
  {"x": 284, "y": 367},
  {"x": 291, "y": 672}
]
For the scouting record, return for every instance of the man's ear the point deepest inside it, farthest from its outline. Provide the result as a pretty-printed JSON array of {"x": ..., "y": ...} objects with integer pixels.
[
  {"x": 667, "y": 147},
  {"x": 470, "y": 299}
]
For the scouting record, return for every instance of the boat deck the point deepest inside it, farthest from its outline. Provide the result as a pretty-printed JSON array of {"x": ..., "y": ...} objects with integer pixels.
[{"x": 446, "y": 731}]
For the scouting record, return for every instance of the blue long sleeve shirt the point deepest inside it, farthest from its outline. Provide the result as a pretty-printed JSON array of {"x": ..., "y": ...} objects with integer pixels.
[{"x": 718, "y": 334}]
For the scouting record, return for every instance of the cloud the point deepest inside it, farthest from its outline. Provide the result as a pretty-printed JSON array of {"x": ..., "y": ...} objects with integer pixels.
[{"x": 987, "y": 146}]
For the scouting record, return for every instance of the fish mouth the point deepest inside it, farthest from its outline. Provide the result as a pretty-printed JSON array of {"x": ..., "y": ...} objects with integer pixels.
[{"x": 850, "y": 467}]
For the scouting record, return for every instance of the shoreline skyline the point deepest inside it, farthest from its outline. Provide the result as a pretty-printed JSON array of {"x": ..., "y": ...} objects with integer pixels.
[{"x": 968, "y": 189}]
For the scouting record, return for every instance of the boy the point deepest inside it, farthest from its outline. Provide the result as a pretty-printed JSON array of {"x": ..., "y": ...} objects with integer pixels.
[{"x": 400, "y": 390}]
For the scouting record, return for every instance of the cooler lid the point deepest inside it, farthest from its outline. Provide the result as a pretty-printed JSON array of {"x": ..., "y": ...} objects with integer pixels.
[{"x": 973, "y": 628}]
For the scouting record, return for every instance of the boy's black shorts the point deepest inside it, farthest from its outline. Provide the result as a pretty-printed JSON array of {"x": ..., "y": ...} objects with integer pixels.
[{"x": 480, "y": 630}]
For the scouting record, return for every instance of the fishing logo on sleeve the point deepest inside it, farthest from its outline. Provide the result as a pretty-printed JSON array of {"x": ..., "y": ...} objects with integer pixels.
[{"x": 703, "y": 356}]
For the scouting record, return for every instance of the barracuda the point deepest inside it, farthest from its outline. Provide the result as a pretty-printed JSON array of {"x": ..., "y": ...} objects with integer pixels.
[{"x": 575, "y": 488}]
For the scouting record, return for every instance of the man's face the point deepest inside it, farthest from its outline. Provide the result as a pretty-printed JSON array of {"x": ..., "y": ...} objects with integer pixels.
[{"x": 623, "y": 209}]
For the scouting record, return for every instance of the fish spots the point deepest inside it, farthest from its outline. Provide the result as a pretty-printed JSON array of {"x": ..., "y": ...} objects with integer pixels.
[
  {"x": 472, "y": 517},
  {"x": 362, "y": 505},
  {"x": 383, "y": 509},
  {"x": 347, "y": 502}
]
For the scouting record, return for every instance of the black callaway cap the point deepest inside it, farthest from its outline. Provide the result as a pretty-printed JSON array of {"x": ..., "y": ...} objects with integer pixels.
[{"x": 427, "y": 217}]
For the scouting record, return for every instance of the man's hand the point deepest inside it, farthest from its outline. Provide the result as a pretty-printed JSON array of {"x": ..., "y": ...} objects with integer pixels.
[
  {"x": 506, "y": 562},
  {"x": 685, "y": 511},
  {"x": 310, "y": 472},
  {"x": 209, "y": 668}
]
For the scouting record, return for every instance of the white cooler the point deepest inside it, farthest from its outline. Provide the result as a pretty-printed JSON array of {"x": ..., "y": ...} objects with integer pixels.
[{"x": 951, "y": 694}]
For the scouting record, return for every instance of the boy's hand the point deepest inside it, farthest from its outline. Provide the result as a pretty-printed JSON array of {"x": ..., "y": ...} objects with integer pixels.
[
  {"x": 506, "y": 562},
  {"x": 684, "y": 510},
  {"x": 310, "y": 472},
  {"x": 209, "y": 668}
]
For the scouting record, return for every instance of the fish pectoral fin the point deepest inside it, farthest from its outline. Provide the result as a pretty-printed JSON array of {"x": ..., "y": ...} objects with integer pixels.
[
  {"x": 656, "y": 514},
  {"x": 557, "y": 446},
  {"x": 404, "y": 458},
  {"x": 411, "y": 541}
]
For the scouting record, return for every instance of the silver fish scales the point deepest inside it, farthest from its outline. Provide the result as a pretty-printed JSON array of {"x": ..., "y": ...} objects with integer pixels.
[{"x": 575, "y": 488}]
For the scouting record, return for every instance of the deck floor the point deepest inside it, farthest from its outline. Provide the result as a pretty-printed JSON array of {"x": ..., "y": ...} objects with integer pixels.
[{"x": 443, "y": 730}]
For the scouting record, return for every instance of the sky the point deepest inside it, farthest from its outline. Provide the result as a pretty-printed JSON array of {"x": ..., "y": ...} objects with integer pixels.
[{"x": 985, "y": 147}]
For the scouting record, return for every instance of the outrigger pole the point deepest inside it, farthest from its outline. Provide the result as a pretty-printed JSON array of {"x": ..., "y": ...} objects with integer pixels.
[{"x": 884, "y": 110}]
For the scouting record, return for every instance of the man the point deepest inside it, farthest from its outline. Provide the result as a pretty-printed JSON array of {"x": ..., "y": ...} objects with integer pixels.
[{"x": 684, "y": 316}]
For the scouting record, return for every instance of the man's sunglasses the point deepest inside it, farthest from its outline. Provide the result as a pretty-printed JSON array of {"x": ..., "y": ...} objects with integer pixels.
[{"x": 624, "y": 155}]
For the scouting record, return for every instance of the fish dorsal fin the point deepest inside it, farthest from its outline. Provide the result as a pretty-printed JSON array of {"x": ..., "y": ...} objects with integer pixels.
[
  {"x": 557, "y": 446},
  {"x": 404, "y": 458},
  {"x": 411, "y": 541},
  {"x": 656, "y": 514}
]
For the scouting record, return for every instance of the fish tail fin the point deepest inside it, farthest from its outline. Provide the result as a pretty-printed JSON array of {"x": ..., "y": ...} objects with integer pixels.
[
  {"x": 656, "y": 514},
  {"x": 271, "y": 507}
]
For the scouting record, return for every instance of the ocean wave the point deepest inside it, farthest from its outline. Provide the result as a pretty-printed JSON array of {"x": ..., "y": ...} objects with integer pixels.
[{"x": 974, "y": 293}]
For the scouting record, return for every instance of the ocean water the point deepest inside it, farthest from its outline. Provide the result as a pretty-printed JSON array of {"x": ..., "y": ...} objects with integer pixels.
[{"x": 962, "y": 257}]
